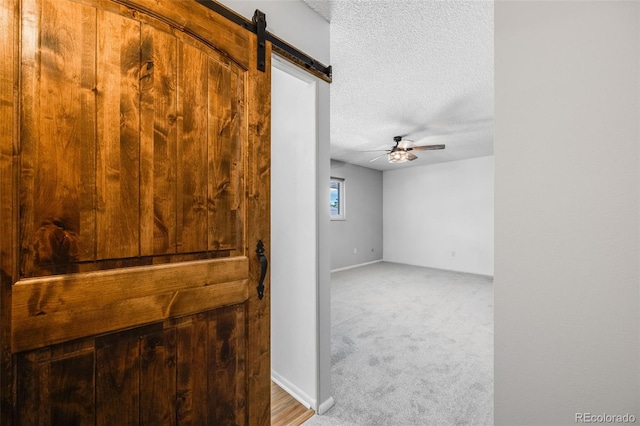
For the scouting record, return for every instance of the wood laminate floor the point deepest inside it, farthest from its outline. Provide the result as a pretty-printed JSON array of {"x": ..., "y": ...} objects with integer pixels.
[{"x": 285, "y": 410}]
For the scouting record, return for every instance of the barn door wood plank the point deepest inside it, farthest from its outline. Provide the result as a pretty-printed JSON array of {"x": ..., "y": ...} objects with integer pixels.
[
  {"x": 239, "y": 135},
  {"x": 29, "y": 119},
  {"x": 58, "y": 139},
  {"x": 158, "y": 116},
  {"x": 192, "y": 372},
  {"x": 227, "y": 134},
  {"x": 44, "y": 295},
  {"x": 69, "y": 127},
  {"x": 192, "y": 150},
  {"x": 226, "y": 162},
  {"x": 71, "y": 390},
  {"x": 56, "y": 386},
  {"x": 258, "y": 206},
  {"x": 227, "y": 391},
  {"x": 118, "y": 125},
  {"x": 88, "y": 136},
  {"x": 33, "y": 388},
  {"x": 158, "y": 377},
  {"x": 80, "y": 320},
  {"x": 118, "y": 379},
  {"x": 219, "y": 161},
  {"x": 9, "y": 71},
  {"x": 232, "y": 368}
]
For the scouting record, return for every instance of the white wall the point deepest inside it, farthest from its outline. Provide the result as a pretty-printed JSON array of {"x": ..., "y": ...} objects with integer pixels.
[
  {"x": 293, "y": 235},
  {"x": 441, "y": 215},
  {"x": 299, "y": 25},
  {"x": 362, "y": 230},
  {"x": 567, "y": 321}
]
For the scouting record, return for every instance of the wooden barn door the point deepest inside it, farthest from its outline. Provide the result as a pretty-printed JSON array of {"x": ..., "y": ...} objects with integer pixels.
[{"x": 134, "y": 189}]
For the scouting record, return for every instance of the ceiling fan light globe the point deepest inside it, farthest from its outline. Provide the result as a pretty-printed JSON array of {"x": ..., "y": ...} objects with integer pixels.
[{"x": 397, "y": 157}]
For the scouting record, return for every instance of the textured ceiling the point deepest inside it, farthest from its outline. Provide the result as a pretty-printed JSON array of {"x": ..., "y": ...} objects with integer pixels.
[{"x": 416, "y": 68}]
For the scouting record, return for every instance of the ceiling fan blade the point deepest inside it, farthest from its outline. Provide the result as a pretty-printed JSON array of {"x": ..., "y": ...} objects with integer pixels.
[
  {"x": 379, "y": 156},
  {"x": 410, "y": 156},
  {"x": 425, "y": 147}
]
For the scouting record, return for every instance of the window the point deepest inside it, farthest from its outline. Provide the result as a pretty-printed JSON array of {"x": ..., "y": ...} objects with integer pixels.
[{"x": 337, "y": 199}]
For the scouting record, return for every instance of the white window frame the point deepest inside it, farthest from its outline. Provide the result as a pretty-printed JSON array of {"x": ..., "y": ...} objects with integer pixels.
[{"x": 341, "y": 214}]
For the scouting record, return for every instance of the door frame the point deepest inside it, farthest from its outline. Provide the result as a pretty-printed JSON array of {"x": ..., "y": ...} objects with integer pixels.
[
  {"x": 292, "y": 385},
  {"x": 324, "y": 394}
]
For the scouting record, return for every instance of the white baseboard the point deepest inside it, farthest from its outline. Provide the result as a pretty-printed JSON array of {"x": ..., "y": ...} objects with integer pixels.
[
  {"x": 293, "y": 390},
  {"x": 325, "y": 406},
  {"x": 357, "y": 266},
  {"x": 480, "y": 274}
]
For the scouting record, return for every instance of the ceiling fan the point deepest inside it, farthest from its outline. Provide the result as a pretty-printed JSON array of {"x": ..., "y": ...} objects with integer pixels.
[{"x": 401, "y": 152}]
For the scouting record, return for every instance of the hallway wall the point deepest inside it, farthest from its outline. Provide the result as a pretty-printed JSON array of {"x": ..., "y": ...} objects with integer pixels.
[{"x": 567, "y": 292}]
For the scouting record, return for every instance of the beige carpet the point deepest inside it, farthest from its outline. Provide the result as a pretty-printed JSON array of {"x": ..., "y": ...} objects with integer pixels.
[{"x": 410, "y": 346}]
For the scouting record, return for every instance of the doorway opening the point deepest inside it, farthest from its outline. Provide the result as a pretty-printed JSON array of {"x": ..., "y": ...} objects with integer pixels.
[{"x": 294, "y": 244}]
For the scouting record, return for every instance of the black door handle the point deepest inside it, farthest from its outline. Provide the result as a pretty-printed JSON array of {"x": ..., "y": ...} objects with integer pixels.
[{"x": 264, "y": 264}]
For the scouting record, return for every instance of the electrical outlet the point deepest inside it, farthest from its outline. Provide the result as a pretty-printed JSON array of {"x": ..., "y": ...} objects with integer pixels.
[{"x": 355, "y": 251}]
